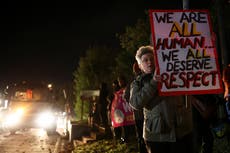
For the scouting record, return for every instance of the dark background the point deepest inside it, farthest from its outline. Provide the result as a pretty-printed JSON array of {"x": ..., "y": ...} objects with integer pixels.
[{"x": 43, "y": 40}]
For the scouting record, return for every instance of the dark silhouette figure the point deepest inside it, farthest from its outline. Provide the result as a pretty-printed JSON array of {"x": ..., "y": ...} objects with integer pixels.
[
  {"x": 102, "y": 104},
  {"x": 204, "y": 115}
]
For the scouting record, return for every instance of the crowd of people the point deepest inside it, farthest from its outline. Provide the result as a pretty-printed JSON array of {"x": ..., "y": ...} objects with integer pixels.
[{"x": 163, "y": 124}]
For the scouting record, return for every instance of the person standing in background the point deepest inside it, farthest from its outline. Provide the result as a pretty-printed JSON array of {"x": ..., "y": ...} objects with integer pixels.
[
  {"x": 226, "y": 80},
  {"x": 102, "y": 110},
  {"x": 116, "y": 132},
  {"x": 204, "y": 117},
  {"x": 121, "y": 112}
]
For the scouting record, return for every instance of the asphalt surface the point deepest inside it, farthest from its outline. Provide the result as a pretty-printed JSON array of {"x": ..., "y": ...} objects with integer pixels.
[{"x": 30, "y": 141}]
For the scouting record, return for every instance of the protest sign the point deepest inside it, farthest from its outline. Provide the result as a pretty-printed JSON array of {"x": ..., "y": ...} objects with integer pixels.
[
  {"x": 185, "y": 53},
  {"x": 121, "y": 112}
]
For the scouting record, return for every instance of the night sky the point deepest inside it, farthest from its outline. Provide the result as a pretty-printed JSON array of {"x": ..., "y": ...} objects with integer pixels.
[{"x": 43, "y": 40}]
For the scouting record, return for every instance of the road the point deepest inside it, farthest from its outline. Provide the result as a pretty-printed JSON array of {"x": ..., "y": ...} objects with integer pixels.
[{"x": 28, "y": 141}]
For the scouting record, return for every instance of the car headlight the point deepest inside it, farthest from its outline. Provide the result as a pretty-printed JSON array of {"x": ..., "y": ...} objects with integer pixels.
[
  {"x": 46, "y": 119},
  {"x": 19, "y": 112},
  {"x": 14, "y": 117}
]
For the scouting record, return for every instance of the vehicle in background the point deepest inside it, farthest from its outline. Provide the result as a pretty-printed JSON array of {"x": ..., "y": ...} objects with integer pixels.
[{"x": 30, "y": 108}]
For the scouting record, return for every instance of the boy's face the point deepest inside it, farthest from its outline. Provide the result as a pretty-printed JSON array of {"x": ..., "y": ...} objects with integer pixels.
[{"x": 147, "y": 63}]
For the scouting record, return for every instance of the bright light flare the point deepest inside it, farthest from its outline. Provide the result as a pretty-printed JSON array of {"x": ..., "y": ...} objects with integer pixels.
[
  {"x": 20, "y": 111},
  {"x": 14, "y": 118},
  {"x": 46, "y": 119}
]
